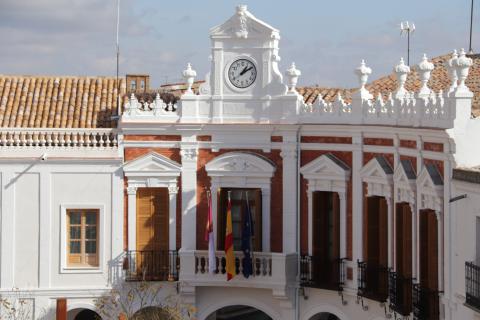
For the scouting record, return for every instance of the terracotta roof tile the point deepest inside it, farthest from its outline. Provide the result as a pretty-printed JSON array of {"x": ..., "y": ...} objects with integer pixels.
[{"x": 58, "y": 102}]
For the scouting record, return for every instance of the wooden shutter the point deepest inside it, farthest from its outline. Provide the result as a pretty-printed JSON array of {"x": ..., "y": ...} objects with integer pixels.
[
  {"x": 403, "y": 240},
  {"x": 383, "y": 231},
  {"x": 221, "y": 215},
  {"x": 257, "y": 220},
  {"x": 336, "y": 225},
  {"x": 152, "y": 219},
  {"x": 373, "y": 246},
  {"x": 428, "y": 249}
]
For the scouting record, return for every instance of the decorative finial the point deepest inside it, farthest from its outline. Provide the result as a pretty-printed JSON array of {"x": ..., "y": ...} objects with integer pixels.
[
  {"x": 292, "y": 74},
  {"x": 189, "y": 75},
  {"x": 241, "y": 27},
  {"x": 461, "y": 65},
  {"x": 402, "y": 70},
  {"x": 451, "y": 71},
  {"x": 363, "y": 72},
  {"x": 424, "y": 69}
]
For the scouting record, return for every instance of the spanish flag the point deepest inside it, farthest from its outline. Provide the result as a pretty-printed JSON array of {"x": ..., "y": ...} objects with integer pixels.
[{"x": 229, "y": 255}]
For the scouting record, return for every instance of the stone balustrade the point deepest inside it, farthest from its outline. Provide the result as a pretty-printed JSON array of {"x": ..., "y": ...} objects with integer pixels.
[
  {"x": 425, "y": 108},
  {"x": 58, "y": 138}
]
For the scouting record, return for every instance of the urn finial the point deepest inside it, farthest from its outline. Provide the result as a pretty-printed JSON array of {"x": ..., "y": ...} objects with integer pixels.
[
  {"x": 189, "y": 75},
  {"x": 292, "y": 74}
]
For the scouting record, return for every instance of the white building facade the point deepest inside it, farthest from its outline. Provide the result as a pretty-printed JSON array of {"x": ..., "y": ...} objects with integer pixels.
[{"x": 354, "y": 204}]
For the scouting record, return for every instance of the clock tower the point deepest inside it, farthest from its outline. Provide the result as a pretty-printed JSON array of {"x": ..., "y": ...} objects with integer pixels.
[
  {"x": 245, "y": 40},
  {"x": 244, "y": 84}
]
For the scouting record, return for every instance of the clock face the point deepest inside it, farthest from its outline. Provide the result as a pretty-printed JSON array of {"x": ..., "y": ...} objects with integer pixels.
[{"x": 242, "y": 73}]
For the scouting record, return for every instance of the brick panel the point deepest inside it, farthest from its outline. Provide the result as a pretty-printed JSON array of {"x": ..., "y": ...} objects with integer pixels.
[
  {"x": 412, "y": 159},
  {"x": 433, "y": 146},
  {"x": 367, "y": 156},
  {"x": 378, "y": 141},
  {"x": 204, "y": 138},
  {"x": 152, "y": 138},
  {"x": 276, "y": 139},
  {"x": 411, "y": 144},
  {"x": 438, "y": 163},
  {"x": 314, "y": 139},
  {"x": 276, "y": 206}
]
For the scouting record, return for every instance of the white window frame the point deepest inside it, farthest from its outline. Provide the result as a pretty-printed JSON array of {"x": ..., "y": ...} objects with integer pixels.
[
  {"x": 327, "y": 173},
  {"x": 152, "y": 171},
  {"x": 64, "y": 208},
  {"x": 242, "y": 170}
]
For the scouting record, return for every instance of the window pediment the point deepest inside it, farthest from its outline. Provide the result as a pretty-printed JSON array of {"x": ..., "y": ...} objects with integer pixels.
[
  {"x": 405, "y": 183},
  {"x": 240, "y": 164},
  {"x": 326, "y": 167},
  {"x": 152, "y": 164},
  {"x": 378, "y": 175}
]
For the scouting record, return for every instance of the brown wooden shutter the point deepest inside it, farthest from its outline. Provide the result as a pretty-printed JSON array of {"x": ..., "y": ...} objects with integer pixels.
[
  {"x": 383, "y": 231},
  {"x": 221, "y": 214},
  {"x": 152, "y": 219},
  {"x": 336, "y": 225},
  {"x": 428, "y": 250},
  {"x": 257, "y": 246}
]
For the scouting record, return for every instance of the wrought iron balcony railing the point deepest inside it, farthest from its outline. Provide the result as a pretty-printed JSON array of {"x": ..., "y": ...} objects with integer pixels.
[
  {"x": 472, "y": 284},
  {"x": 151, "y": 265},
  {"x": 425, "y": 303},
  {"x": 372, "y": 281},
  {"x": 400, "y": 293},
  {"x": 319, "y": 272}
]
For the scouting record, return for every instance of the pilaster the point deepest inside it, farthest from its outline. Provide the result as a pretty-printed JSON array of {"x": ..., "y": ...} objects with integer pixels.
[
  {"x": 132, "y": 217},
  {"x": 290, "y": 176},
  {"x": 189, "y": 153}
]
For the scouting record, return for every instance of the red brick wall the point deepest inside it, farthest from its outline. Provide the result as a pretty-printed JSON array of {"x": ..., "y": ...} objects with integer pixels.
[
  {"x": 367, "y": 156},
  {"x": 152, "y": 138},
  {"x": 314, "y": 139},
  {"x": 378, "y": 141},
  {"x": 306, "y": 157},
  {"x": 204, "y": 138},
  {"x": 276, "y": 208},
  {"x": 438, "y": 163},
  {"x": 172, "y": 154},
  {"x": 433, "y": 146},
  {"x": 276, "y": 139},
  {"x": 411, "y": 144}
]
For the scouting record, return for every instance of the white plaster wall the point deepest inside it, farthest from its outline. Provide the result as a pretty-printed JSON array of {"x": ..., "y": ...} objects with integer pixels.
[
  {"x": 27, "y": 215},
  {"x": 91, "y": 190},
  {"x": 465, "y": 212},
  {"x": 32, "y": 194},
  {"x": 330, "y": 301}
]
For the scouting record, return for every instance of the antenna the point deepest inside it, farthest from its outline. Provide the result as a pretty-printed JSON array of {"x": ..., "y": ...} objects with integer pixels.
[
  {"x": 407, "y": 28},
  {"x": 470, "y": 50},
  {"x": 118, "y": 58}
]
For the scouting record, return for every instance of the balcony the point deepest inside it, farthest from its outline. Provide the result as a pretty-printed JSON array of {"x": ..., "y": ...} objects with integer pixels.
[
  {"x": 317, "y": 272},
  {"x": 372, "y": 281},
  {"x": 161, "y": 265},
  {"x": 472, "y": 285},
  {"x": 425, "y": 303},
  {"x": 400, "y": 293},
  {"x": 270, "y": 270}
]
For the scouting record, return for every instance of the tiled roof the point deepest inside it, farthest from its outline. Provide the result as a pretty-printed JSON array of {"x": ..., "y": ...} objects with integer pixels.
[
  {"x": 439, "y": 81},
  {"x": 58, "y": 102}
]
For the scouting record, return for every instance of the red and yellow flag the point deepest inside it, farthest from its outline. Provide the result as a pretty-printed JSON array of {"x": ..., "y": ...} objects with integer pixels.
[{"x": 229, "y": 254}]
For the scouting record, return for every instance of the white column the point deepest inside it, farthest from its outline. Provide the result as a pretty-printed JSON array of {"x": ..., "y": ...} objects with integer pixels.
[
  {"x": 357, "y": 205},
  {"x": 132, "y": 217},
  {"x": 343, "y": 224},
  {"x": 289, "y": 178},
  {"x": 116, "y": 213},
  {"x": 45, "y": 231},
  {"x": 266, "y": 229},
  {"x": 214, "y": 193},
  {"x": 189, "y": 193},
  {"x": 172, "y": 221},
  {"x": 8, "y": 231},
  {"x": 310, "y": 221}
]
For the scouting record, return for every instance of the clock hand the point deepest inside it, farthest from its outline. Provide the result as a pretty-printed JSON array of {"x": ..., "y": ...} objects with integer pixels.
[{"x": 245, "y": 70}]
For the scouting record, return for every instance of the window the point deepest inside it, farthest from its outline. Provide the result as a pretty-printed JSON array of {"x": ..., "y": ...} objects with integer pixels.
[
  {"x": 142, "y": 85},
  {"x": 133, "y": 85},
  {"x": 238, "y": 199},
  {"x": 82, "y": 237}
]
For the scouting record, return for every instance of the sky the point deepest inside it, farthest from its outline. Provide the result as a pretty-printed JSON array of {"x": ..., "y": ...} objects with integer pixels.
[{"x": 326, "y": 39}]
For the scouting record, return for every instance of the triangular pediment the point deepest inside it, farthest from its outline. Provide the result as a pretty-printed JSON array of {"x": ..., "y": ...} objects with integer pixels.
[
  {"x": 152, "y": 163},
  {"x": 240, "y": 164},
  {"x": 326, "y": 166},
  {"x": 244, "y": 25},
  {"x": 378, "y": 167},
  {"x": 430, "y": 178},
  {"x": 404, "y": 174}
]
